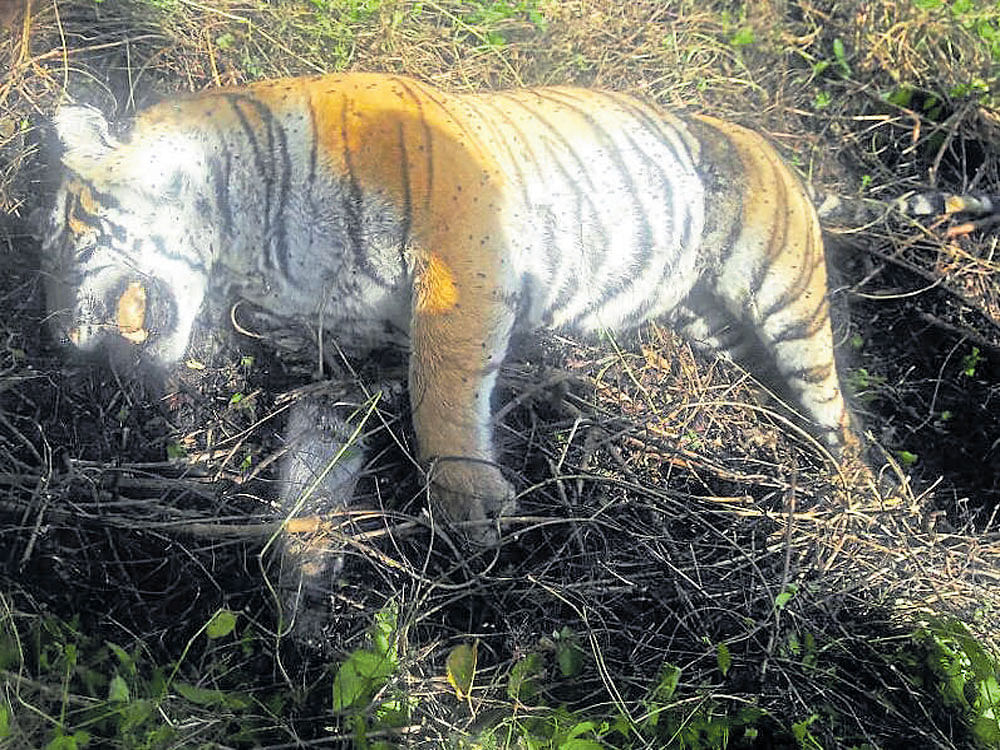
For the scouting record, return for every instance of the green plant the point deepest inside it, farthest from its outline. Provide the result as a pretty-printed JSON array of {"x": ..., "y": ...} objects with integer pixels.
[
  {"x": 487, "y": 18},
  {"x": 981, "y": 18},
  {"x": 112, "y": 695},
  {"x": 864, "y": 384},
  {"x": 662, "y": 719},
  {"x": 952, "y": 662},
  {"x": 971, "y": 361},
  {"x": 366, "y": 672}
]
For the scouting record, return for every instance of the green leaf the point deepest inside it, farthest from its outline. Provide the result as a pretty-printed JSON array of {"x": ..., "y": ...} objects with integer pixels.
[
  {"x": 971, "y": 361},
  {"x": 522, "y": 685},
  {"x": 124, "y": 658},
  {"x": 670, "y": 677},
  {"x": 743, "y": 37},
  {"x": 222, "y": 624},
  {"x": 901, "y": 97},
  {"x": 723, "y": 658},
  {"x": 118, "y": 690},
  {"x": 460, "y": 668},
  {"x": 784, "y": 597},
  {"x": 210, "y": 697},
  {"x": 175, "y": 450},
  {"x": 235, "y": 398},
  {"x": 569, "y": 655},
  {"x": 68, "y": 741},
  {"x": 578, "y": 744},
  {"x": 802, "y": 734},
  {"x": 841, "y": 55},
  {"x": 581, "y": 728},
  {"x": 906, "y": 458},
  {"x": 384, "y": 630},
  {"x": 357, "y": 679}
]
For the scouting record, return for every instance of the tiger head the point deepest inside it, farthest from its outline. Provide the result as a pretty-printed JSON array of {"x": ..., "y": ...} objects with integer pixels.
[{"x": 128, "y": 247}]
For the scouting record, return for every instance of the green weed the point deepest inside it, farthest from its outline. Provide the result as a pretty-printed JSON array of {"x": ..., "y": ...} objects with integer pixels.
[
  {"x": 487, "y": 18},
  {"x": 944, "y": 656}
]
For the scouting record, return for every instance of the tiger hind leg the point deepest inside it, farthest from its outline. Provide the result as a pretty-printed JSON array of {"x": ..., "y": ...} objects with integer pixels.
[
  {"x": 793, "y": 330},
  {"x": 706, "y": 321}
]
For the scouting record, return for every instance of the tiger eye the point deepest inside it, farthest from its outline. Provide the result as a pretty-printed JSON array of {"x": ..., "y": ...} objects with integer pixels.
[{"x": 131, "y": 313}]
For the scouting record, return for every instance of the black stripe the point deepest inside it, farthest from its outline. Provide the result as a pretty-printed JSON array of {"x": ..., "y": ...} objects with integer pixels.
[
  {"x": 352, "y": 202},
  {"x": 794, "y": 289},
  {"x": 659, "y": 128},
  {"x": 313, "y": 147},
  {"x": 813, "y": 374},
  {"x": 728, "y": 244},
  {"x": 427, "y": 145},
  {"x": 609, "y": 293},
  {"x": 102, "y": 198},
  {"x": 137, "y": 250},
  {"x": 556, "y": 135},
  {"x": 219, "y": 167},
  {"x": 404, "y": 176},
  {"x": 262, "y": 166},
  {"x": 80, "y": 215},
  {"x": 569, "y": 289},
  {"x": 686, "y": 236},
  {"x": 809, "y": 265},
  {"x": 645, "y": 241},
  {"x": 432, "y": 96},
  {"x": 641, "y": 312},
  {"x": 805, "y": 327},
  {"x": 68, "y": 211},
  {"x": 778, "y": 228},
  {"x": 162, "y": 252},
  {"x": 613, "y": 150},
  {"x": 281, "y": 167}
]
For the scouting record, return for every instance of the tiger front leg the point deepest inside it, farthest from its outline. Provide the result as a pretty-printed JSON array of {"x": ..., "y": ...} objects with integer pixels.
[{"x": 459, "y": 335}]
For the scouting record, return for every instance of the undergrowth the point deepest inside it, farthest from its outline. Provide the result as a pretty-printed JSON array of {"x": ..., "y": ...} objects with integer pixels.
[{"x": 688, "y": 572}]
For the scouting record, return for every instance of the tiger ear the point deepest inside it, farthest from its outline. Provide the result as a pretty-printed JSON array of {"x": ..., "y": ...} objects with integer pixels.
[{"x": 85, "y": 137}]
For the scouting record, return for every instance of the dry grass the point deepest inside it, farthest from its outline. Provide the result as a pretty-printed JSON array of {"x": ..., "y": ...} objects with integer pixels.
[{"x": 667, "y": 503}]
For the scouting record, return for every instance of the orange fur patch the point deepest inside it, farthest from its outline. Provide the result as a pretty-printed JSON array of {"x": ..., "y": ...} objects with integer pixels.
[
  {"x": 87, "y": 201},
  {"x": 131, "y": 313},
  {"x": 436, "y": 290}
]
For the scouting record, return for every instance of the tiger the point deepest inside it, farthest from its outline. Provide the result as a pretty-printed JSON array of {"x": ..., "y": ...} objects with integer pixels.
[{"x": 390, "y": 212}]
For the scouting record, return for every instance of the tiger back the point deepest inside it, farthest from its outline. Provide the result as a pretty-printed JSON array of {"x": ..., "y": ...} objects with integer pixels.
[{"x": 381, "y": 208}]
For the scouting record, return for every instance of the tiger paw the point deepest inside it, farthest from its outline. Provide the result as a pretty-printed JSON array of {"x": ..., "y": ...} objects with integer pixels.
[{"x": 472, "y": 495}]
